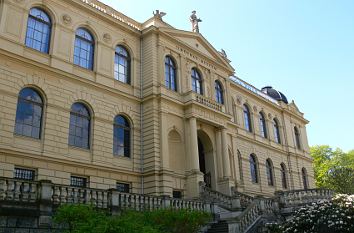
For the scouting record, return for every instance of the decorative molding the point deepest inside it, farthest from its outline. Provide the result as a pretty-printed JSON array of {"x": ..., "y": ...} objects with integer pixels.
[
  {"x": 107, "y": 37},
  {"x": 239, "y": 100},
  {"x": 66, "y": 19}
]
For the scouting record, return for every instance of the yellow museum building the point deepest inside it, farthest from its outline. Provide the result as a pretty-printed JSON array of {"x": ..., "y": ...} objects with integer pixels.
[{"x": 92, "y": 98}]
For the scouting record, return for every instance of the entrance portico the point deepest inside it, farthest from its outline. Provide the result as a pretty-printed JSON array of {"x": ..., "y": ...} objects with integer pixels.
[{"x": 207, "y": 163}]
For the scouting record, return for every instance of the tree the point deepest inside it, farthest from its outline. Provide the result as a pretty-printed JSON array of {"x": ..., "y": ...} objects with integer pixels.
[{"x": 333, "y": 169}]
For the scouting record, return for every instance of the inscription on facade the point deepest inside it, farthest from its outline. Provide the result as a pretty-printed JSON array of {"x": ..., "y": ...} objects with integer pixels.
[{"x": 195, "y": 58}]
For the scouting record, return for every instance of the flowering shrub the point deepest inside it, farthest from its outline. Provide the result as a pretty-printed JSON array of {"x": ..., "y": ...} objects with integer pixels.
[{"x": 335, "y": 216}]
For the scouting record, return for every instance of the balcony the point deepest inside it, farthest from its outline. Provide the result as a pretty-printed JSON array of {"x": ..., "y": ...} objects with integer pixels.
[{"x": 207, "y": 102}]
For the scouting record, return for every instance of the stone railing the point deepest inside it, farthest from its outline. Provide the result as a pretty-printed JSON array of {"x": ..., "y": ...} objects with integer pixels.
[
  {"x": 302, "y": 197},
  {"x": 258, "y": 208},
  {"x": 225, "y": 201},
  {"x": 18, "y": 190},
  {"x": 112, "y": 13},
  {"x": 208, "y": 102},
  {"x": 245, "y": 199},
  {"x": 49, "y": 196},
  {"x": 62, "y": 194}
]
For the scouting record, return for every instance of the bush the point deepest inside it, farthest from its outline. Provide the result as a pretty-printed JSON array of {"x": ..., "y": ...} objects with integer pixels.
[
  {"x": 323, "y": 217},
  {"x": 177, "y": 221},
  {"x": 85, "y": 219}
]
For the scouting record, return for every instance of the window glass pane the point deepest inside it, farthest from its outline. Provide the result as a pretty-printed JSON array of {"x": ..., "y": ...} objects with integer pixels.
[
  {"x": 24, "y": 174},
  {"x": 78, "y": 181},
  {"x": 122, "y": 187},
  {"x": 38, "y": 30},
  {"x": 121, "y": 137},
  {"x": 29, "y": 113},
  {"x": 79, "y": 129},
  {"x": 122, "y": 65},
  {"x": 83, "y": 51}
]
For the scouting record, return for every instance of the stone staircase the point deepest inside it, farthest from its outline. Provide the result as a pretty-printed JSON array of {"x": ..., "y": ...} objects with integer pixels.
[
  {"x": 219, "y": 227},
  {"x": 241, "y": 213}
]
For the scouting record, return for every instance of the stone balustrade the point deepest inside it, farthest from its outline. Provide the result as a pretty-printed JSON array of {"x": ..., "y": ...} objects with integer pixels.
[
  {"x": 302, "y": 197},
  {"x": 18, "y": 190},
  {"x": 221, "y": 199},
  {"x": 208, "y": 102},
  {"x": 245, "y": 199},
  {"x": 258, "y": 207},
  {"x": 62, "y": 194},
  {"x": 50, "y": 196},
  {"x": 44, "y": 197}
]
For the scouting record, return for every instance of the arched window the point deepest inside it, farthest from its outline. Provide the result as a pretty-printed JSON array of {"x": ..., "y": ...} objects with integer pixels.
[
  {"x": 276, "y": 131},
  {"x": 284, "y": 181},
  {"x": 219, "y": 95},
  {"x": 253, "y": 168},
  {"x": 38, "y": 30},
  {"x": 297, "y": 138},
  {"x": 84, "y": 49},
  {"x": 196, "y": 82},
  {"x": 29, "y": 113},
  {"x": 247, "y": 118},
  {"x": 121, "y": 137},
  {"x": 240, "y": 165},
  {"x": 304, "y": 178},
  {"x": 122, "y": 65},
  {"x": 170, "y": 74},
  {"x": 79, "y": 129},
  {"x": 262, "y": 125},
  {"x": 269, "y": 170}
]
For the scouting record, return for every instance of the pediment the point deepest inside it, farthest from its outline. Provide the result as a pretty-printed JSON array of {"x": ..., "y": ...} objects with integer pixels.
[{"x": 199, "y": 44}]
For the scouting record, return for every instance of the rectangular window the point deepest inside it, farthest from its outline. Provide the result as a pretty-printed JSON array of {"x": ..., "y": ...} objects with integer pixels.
[
  {"x": 123, "y": 187},
  {"x": 24, "y": 174},
  {"x": 77, "y": 181},
  {"x": 177, "y": 194}
]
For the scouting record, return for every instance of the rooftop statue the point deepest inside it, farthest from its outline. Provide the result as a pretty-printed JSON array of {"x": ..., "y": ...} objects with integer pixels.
[
  {"x": 159, "y": 14},
  {"x": 194, "y": 20}
]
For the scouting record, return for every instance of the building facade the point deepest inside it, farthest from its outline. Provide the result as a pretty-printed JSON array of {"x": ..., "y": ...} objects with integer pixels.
[{"x": 90, "y": 97}]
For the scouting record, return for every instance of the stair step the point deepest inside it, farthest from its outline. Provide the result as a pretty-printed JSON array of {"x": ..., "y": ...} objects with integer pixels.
[{"x": 219, "y": 227}]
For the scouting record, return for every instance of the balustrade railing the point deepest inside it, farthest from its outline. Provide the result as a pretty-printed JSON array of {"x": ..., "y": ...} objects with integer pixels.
[
  {"x": 302, "y": 197},
  {"x": 62, "y": 194},
  {"x": 216, "y": 197},
  {"x": 18, "y": 190},
  {"x": 245, "y": 199},
  {"x": 49, "y": 194},
  {"x": 255, "y": 210},
  {"x": 208, "y": 102},
  {"x": 12, "y": 190}
]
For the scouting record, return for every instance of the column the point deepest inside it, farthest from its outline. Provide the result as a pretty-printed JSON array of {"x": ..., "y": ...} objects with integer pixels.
[
  {"x": 194, "y": 154},
  {"x": 225, "y": 156},
  {"x": 219, "y": 156}
]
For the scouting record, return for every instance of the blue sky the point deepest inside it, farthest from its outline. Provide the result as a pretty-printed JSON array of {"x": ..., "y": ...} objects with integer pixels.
[{"x": 303, "y": 48}]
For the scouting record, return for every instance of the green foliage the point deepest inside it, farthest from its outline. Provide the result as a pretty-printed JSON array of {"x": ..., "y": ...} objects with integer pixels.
[
  {"x": 323, "y": 217},
  {"x": 333, "y": 169},
  {"x": 177, "y": 221},
  {"x": 341, "y": 179},
  {"x": 85, "y": 219}
]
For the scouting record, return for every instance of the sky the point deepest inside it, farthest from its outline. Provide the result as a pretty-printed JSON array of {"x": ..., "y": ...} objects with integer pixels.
[{"x": 302, "y": 48}]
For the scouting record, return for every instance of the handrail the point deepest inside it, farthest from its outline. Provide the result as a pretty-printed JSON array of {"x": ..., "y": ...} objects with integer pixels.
[
  {"x": 18, "y": 190},
  {"x": 55, "y": 194},
  {"x": 301, "y": 197}
]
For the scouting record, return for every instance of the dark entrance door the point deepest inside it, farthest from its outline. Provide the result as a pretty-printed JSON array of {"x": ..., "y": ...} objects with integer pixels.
[{"x": 207, "y": 175}]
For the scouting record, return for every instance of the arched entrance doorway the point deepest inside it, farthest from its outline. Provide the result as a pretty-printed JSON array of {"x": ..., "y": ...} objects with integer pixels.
[{"x": 206, "y": 159}]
